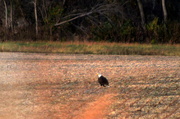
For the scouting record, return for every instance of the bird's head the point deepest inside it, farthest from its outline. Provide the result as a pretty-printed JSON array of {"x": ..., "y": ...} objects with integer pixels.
[{"x": 99, "y": 75}]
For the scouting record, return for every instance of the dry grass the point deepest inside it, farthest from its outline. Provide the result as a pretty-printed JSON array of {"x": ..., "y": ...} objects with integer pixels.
[{"x": 91, "y": 48}]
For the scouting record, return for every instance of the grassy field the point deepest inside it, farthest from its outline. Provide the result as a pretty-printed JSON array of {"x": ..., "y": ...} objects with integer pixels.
[{"x": 91, "y": 48}]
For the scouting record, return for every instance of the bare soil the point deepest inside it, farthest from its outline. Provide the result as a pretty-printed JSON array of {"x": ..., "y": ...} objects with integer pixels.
[{"x": 59, "y": 86}]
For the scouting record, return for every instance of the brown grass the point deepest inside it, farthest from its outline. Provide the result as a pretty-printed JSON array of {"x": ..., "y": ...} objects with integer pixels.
[{"x": 85, "y": 47}]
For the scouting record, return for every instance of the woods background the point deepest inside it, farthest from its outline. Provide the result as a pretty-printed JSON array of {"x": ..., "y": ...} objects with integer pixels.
[{"x": 129, "y": 21}]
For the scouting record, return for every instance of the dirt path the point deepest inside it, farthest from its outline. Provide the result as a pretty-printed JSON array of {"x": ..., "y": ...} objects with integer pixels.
[{"x": 98, "y": 108}]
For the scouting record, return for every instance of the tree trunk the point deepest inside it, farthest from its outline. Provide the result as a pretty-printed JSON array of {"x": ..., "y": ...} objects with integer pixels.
[
  {"x": 64, "y": 1},
  {"x": 6, "y": 15},
  {"x": 36, "y": 18},
  {"x": 141, "y": 13},
  {"x": 164, "y": 10},
  {"x": 11, "y": 16}
]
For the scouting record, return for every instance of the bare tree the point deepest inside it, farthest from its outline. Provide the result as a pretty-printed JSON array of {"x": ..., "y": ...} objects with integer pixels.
[
  {"x": 141, "y": 13},
  {"x": 35, "y": 15},
  {"x": 44, "y": 10},
  {"x": 6, "y": 14},
  {"x": 164, "y": 10},
  {"x": 64, "y": 1},
  {"x": 11, "y": 15}
]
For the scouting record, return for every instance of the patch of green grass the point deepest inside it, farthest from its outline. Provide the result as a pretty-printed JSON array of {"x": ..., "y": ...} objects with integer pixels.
[{"x": 91, "y": 48}]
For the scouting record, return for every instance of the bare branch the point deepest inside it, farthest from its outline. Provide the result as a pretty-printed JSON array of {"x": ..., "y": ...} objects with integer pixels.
[
  {"x": 82, "y": 15},
  {"x": 99, "y": 8}
]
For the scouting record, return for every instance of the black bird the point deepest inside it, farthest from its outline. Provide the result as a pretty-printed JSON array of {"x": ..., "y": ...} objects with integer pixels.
[{"x": 102, "y": 80}]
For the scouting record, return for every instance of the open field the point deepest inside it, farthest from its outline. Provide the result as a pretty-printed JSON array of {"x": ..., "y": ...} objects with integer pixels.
[
  {"x": 64, "y": 86},
  {"x": 77, "y": 47}
]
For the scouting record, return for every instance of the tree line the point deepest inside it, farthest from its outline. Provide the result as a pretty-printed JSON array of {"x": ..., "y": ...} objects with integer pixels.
[{"x": 141, "y": 21}]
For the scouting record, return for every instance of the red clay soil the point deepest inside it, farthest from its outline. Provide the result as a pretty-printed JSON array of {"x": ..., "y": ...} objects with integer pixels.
[{"x": 98, "y": 108}]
